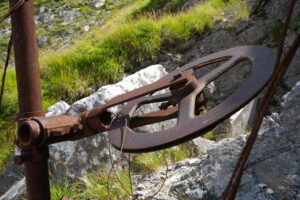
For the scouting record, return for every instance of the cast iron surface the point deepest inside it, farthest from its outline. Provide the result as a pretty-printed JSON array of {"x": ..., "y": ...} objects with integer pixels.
[
  {"x": 29, "y": 95},
  {"x": 188, "y": 126}
]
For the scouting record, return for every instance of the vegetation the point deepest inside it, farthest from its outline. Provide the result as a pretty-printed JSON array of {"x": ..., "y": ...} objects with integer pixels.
[
  {"x": 95, "y": 185},
  {"x": 209, "y": 135},
  {"x": 150, "y": 162},
  {"x": 6, "y": 144},
  {"x": 123, "y": 44},
  {"x": 276, "y": 31},
  {"x": 62, "y": 187},
  {"x": 277, "y": 28}
]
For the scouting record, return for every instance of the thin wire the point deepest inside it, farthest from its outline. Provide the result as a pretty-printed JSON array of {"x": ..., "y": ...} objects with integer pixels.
[
  {"x": 166, "y": 176},
  {"x": 118, "y": 160},
  {"x": 129, "y": 172},
  {"x": 9, "y": 46},
  {"x": 5, "y": 69},
  {"x": 13, "y": 9},
  {"x": 113, "y": 169}
]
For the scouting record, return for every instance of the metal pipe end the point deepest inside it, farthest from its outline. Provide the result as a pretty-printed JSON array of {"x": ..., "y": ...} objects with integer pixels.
[
  {"x": 29, "y": 133},
  {"x": 100, "y": 122}
]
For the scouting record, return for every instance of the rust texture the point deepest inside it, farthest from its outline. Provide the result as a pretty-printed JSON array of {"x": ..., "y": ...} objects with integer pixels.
[{"x": 29, "y": 95}]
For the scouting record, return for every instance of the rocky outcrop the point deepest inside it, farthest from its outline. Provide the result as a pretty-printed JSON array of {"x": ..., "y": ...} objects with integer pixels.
[{"x": 272, "y": 170}]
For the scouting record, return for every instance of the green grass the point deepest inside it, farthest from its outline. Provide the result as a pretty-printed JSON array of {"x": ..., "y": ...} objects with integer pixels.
[
  {"x": 155, "y": 7},
  {"x": 63, "y": 187},
  {"x": 7, "y": 137},
  {"x": 7, "y": 126},
  {"x": 153, "y": 161},
  {"x": 95, "y": 186},
  {"x": 209, "y": 135},
  {"x": 123, "y": 44}
]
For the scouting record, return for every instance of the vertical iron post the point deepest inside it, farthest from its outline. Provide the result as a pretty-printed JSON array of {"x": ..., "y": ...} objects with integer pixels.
[{"x": 30, "y": 98}]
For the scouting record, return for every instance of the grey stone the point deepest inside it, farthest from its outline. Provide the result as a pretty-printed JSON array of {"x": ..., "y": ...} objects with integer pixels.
[
  {"x": 242, "y": 25},
  {"x": 15, "y": 190},
  {"x": 58, "y": 108},
  {"x": 185, "y": 45},
  {"x": 42, "y": 9},
  {"x": 255, "y": 34},
  {"x": 238, "y": 123},
  {"x": 86, "y": 28},
  {"x": 190, "y": 3},
  {"x": 202, "y": 144},
  {"x": 270, "y": 191},
  {"x": 9, "y": 175},
  {"x": 99, "y": 4}
]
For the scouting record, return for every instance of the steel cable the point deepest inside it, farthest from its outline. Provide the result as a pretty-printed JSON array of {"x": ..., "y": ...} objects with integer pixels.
[
  {"x": 280, "y": 68},
  {"x": 9, "y": 46}
]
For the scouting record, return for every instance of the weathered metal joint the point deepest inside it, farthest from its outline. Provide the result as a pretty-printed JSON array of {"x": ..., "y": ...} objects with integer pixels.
[
  {"x": 29, "y": 133},
  {"x": 42, "y": 131}
]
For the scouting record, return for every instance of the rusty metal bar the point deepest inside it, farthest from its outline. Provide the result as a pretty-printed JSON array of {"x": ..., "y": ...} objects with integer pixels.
[{"x": 29, "y": 95}]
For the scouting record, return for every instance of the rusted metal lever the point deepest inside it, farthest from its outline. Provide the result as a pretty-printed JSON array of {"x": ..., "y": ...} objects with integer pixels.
[
  {"x": 42, "y": 131},
  {"x": 188, "y": 124}
]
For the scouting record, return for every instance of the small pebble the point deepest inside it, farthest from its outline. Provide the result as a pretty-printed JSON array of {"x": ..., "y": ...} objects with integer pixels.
[
  {"x": 270, "y": 191},
  {"x": 262, "y": 185}
]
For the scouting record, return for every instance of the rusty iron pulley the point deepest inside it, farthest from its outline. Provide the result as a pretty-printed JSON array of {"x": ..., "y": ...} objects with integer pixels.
[{"x": 184, "y": 100}]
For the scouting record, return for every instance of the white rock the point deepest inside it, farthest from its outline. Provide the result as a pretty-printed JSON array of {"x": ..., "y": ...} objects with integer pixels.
[
  {"x": 270, "y": 191},
  {"x": 42, "y": 9},
  {"x": 262, "y": 185},
  {"x": 99, "y": 4},
  {"x": 58, "y": 108},
  {"x": 86, "y": 28}
]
